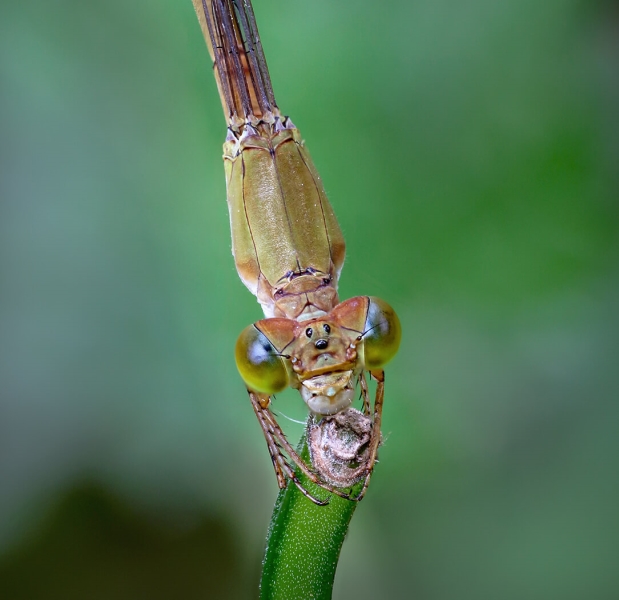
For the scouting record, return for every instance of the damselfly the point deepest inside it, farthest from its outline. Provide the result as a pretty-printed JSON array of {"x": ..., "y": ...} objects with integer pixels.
[{"x": 289, "y": 251}]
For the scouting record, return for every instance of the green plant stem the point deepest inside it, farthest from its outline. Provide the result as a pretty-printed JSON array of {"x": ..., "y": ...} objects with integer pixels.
[{"x": 304, "y": 543}]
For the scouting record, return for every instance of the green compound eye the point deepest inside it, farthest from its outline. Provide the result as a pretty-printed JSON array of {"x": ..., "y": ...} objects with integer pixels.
[
  {"x": 383, "y": 334},
  {"x": 259, "y": 363}
]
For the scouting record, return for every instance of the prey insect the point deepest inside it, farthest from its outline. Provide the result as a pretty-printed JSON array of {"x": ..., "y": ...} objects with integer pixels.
[{"x": 289, "y": 251}]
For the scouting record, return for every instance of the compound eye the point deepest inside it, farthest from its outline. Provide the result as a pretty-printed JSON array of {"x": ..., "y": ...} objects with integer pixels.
[
  {"x": 382, "y": 334},
  {"x": 260, "y": 364}
]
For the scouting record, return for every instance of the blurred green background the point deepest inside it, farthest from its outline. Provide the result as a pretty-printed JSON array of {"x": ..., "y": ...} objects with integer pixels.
[{"x": 471, "y": 153}]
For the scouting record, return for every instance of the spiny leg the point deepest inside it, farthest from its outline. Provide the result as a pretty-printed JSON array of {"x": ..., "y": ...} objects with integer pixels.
[
  {"x": 311, "y": 475},
  {"x": 282, "y": 468},
  {"x": 271, "y": 443},
  {"x": 277, "y": 444},
  {"x": 365, "y": 394},
  {"x": 278, "y": 457},
  {"x": 375, "y": 439}
]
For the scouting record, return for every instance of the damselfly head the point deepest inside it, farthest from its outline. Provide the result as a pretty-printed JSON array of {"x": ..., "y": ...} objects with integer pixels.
[
  {"x": 320, "y": 347},
  {"x": 360, "y": 333}
]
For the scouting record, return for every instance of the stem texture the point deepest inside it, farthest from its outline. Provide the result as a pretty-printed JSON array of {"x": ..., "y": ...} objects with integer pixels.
[{"x": 304, "y": 543}]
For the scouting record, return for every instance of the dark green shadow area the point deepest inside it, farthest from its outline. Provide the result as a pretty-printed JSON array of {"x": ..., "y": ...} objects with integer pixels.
[{"x": 92, "y": 545}]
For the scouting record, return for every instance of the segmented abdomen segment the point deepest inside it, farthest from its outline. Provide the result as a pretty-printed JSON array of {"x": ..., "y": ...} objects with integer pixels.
[{"x": 231, "y": 34}]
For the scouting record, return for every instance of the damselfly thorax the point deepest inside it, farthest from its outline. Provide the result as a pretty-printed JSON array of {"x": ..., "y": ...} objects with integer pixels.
[{"x": 287, "y": 244}]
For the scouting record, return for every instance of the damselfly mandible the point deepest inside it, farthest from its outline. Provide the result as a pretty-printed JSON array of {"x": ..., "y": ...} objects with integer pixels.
[{"x": 289, "y": 250}]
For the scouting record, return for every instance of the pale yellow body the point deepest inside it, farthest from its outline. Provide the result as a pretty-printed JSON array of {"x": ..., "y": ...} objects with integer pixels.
[{"x": 287, "y": 244}]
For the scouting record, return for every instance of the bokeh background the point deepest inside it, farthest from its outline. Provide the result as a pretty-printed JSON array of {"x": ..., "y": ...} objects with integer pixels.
[{"x": 471, "y": 152}]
